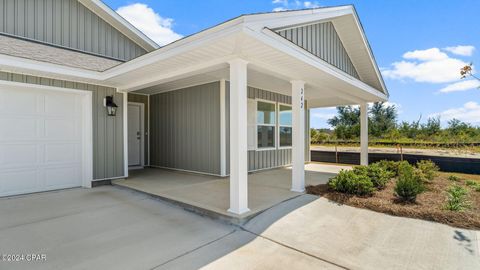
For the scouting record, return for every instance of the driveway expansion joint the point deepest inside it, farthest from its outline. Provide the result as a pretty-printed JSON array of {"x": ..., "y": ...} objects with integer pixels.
[{"x": 295, "y": 249}]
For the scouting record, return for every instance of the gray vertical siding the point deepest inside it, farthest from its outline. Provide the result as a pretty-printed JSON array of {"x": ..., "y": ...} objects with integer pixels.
[
  {"x": 258, "y": 160},
  {"x": 265, "y": 159},
  {"x": 65, "y": 23},
  {"x": 322, "y": 40},
  {"x": 132, "y": 97},
  {"x": 107, "y": 130},
  {"x": 185, "y": 129}
]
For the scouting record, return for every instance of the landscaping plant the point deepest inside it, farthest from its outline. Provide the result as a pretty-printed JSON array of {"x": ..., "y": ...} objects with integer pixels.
[
  {"x": 454, "y": 178},
  {"x": 457, "y": 198},
  {"x": 428, "y": 168},
  {"x": 390, "y": 166},
  {"x": 473, "y": 184},
  {"x": 347, "y": 181},
  {"x": 409, "y": 183},
  {"x": 377, "y": 174}
]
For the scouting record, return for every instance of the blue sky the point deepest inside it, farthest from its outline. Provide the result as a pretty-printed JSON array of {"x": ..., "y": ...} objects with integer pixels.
[{"x": 419, "y": 44}]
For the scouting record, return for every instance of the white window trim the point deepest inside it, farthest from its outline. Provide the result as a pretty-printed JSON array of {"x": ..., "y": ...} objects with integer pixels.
[
  {"x": 279, "y": 125},
  {"x": 269, "y": 125}
]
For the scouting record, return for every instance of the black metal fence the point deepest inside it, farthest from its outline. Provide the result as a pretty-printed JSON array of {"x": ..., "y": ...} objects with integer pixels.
[{"x": 446, "y": 164}]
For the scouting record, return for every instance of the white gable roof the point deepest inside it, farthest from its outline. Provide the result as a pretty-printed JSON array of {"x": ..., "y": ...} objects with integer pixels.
[{"x": 347, "y": 25}]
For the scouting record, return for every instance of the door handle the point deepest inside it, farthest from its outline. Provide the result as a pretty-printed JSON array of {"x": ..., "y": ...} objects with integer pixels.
[{"x": 138, "y": 135}]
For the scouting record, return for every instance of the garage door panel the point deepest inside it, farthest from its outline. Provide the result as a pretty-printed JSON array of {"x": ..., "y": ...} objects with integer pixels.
[
  {"x": 63, "y": 153},
  {"x": 62, "y": 129},
  {"x": 16, "y": 128},
  {"x": 10, "y": 100},
  {"x": 16, "y": 155},
  {"x": 61, "y": 105},
  {"x": 18, "y": 182},
  {"x": 62, "y": 177}
]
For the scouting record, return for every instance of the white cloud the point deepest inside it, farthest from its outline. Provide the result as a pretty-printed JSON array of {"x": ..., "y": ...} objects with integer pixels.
[
  {"x": 470, "y": 113},
  {"x": 430, "y": 66},
  {"x": 277, "y": 9},
  {"x": 294, "y": 4},
  {"x": 463, "y": 50},
  {"x": 309, "y": 4},
  {"x": 144, "y": 18},
  {"x": 461, "y": 86},
  {"x": 324, "y": 113},
  {"x": 323, "y": 116},
  {"x": 426, "y": 55}
]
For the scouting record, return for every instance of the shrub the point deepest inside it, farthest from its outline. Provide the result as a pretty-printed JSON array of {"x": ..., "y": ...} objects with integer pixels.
[
  {"x": 390, "y": 166},
  {"x": 454, "y": 178},
  {"x": 347, "y": 181},
  {"x": 457, "y": 198},
  {"x": 378, "y": 175},
  {"x": 409, "y": 183},
  {"x": 428, "y": 168}
]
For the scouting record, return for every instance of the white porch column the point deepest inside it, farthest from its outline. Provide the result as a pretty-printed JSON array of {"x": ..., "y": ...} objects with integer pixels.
[
  {"x": 298, "y": 134},
  {"x": 364, "y": 134},
  {"x": 238, "y": 137}
]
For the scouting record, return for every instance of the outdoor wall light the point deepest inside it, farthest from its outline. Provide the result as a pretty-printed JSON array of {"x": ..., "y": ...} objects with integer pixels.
[{"x": 110, "y": 105}]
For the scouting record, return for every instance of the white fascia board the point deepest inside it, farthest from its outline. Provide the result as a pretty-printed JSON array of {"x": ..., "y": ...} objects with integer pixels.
[
  {"x": 369, "y": 50},
  {"x": 176, "y": 48},
  {"x": 28, "y": 66},
  {"x": 294, "y": 19},
  {"x": 38, "y": 68},
  {"x": 272, "y": 39},
  {"x": 122, "y": 25}
]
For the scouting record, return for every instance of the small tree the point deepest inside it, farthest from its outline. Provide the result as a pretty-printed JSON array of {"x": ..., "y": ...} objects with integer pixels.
[
  {"x": 346, "y": 122},
  {"x": 383, "y": 119}
]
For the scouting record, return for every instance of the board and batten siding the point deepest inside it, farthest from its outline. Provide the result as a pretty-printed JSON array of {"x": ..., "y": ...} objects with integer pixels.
[
  {"x": 107, "y": 130},
  {"x": 322, "y": 40},
  {"x": 65, "y": 23},
  {"x": 185, "y": 129},
  {"x": 132, "y": 97},
  {"x": 265, "y": 159}
]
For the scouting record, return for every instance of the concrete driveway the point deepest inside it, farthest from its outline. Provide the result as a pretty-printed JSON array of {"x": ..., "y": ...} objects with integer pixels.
[{"x": 112, "y": 228}]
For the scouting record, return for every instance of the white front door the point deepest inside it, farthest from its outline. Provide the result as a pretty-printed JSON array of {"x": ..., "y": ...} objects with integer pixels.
[
  {"x": 135, "y": 134},
  {"x": 42, "y": 139}
]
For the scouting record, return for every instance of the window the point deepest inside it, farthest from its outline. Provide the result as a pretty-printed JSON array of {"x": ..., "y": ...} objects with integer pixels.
[
  {"x": 266, "y": 122},
  {"x": 285, "y": 125}
]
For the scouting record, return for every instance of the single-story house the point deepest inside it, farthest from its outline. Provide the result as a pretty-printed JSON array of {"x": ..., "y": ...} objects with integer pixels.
[{"x": 86, "y": 97}]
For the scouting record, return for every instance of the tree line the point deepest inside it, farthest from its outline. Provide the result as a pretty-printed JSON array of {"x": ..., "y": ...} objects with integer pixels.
[{"x": 383, "y": 125}]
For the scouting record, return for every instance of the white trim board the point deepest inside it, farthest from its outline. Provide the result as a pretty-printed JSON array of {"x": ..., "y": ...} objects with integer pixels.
[
  {"x": 223, "y": 136},
  {"x": 125, "y": 134}
]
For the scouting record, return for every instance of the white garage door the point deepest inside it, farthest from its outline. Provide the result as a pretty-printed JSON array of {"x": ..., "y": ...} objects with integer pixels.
[{"x": 42, "y": 139}]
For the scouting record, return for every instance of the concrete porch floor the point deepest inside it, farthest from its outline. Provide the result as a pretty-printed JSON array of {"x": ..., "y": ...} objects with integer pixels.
[{"x": 210, "y": 194}]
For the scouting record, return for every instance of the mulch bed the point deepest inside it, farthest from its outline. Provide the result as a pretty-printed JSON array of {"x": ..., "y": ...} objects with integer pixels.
[{"x": 428, "y": 206}]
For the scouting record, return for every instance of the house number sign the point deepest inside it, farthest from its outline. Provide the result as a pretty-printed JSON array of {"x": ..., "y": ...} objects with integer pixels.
[{"x": 301, "y": 98}]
